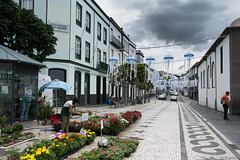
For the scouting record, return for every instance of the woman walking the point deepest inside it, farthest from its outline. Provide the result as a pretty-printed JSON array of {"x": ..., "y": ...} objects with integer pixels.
[{"x": 66, "y": 111}]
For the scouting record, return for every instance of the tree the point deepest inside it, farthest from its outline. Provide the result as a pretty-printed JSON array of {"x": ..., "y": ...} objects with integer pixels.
[
  {"x": 21, "y": 30},
  {"x": 142, "y": 74}
]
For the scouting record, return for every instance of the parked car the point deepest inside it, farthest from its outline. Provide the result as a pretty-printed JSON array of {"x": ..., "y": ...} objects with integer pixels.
[
  {"x": 162, "y": 96},
  {"x": 176, "y": 94},
  {"x": 171, "y": 92},
  {"x": 173, "y": 98}
]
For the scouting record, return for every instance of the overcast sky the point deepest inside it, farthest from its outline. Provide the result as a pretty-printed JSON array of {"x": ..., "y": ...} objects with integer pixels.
[{"x": 159, "y": 23}]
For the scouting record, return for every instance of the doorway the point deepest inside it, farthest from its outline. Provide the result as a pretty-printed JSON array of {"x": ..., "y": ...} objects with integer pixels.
[{"x": 87, "y": 87}]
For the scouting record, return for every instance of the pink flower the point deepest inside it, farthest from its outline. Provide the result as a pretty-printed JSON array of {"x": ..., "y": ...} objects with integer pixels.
[
  {"x": 104, "y": 152},
  {"x": 16, "y": 122}
]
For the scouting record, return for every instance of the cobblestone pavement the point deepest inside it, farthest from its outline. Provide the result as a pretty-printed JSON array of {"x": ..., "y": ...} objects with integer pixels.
[{"x": 172, "y": 131}]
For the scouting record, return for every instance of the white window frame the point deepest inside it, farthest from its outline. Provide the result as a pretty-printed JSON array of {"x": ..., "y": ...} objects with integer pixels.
[
  {"x": 27, "y": 3},
  {"x": 78, "y": 46},
  {"x": 79, "y": 13}
]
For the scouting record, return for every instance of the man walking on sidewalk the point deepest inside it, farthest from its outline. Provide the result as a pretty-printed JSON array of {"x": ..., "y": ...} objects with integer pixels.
[{"x": 225, "y": 102}]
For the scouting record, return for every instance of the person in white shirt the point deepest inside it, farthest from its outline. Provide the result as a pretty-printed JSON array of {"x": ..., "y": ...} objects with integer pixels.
[{"x": 66, "y": 111}]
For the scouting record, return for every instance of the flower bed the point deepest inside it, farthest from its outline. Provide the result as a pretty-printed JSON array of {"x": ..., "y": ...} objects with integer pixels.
[
  {"x": 117, "y": 149},
  {"x": 8, "y": 140},
  {"x": 113, "y": 123},
  {"x": 57, "y": 148},
  {"x": 16, "y": 127}
]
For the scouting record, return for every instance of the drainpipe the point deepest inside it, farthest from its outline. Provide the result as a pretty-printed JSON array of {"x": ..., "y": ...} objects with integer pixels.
[{"x": 70, "y": 30}]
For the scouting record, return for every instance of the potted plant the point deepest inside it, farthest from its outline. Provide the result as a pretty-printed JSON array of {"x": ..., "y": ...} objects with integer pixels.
[
  {"x": 41, "y": 112},
  {"x": 47, "y": 111}
]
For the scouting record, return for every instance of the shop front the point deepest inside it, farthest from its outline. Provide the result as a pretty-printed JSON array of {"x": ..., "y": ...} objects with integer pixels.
[{"x": 18, "y": 86}]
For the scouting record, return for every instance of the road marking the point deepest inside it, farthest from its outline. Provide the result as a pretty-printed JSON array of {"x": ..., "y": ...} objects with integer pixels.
[{"x": 201, "y": 140}]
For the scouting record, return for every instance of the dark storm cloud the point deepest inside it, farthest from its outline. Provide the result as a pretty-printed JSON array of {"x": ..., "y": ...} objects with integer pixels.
[{"x": 175, "y": 21}]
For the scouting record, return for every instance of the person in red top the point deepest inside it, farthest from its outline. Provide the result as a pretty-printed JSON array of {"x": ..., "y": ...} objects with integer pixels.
[{"x": 225, "y": 102}]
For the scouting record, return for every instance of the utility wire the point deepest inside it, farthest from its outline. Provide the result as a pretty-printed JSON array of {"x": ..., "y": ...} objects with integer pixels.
[{"x": 181, "y": 44}]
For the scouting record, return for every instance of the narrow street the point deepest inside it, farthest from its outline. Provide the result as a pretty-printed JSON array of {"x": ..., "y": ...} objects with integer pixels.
[{"x": 174, "y": 130}]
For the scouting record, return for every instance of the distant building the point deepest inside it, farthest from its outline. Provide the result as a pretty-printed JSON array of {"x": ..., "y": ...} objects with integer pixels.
[
  {"x": 193, "y": 82},
  {"x": 139, "y": 57}
]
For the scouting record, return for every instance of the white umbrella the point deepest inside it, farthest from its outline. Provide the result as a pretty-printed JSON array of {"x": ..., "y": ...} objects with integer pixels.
[{"x": 56, "y": 84}]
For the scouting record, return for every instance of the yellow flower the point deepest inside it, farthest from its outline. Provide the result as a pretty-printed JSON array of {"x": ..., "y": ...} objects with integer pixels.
[
  {"x": 47, "y": 152},
  {"x": 64, "y": 144},
  {"x": 32, "y": 150},
  {"x": 38, "y": 152},
  {"x": 57, "y": 145}
]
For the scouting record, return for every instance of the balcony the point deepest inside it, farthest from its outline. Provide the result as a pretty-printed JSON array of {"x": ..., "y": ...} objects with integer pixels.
[
  {"x": 102, "y": 66},
  {"x": 116, "y": 43}
]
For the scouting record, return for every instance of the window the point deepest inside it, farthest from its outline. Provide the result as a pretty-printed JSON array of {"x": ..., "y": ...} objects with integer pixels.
[
  {"x": 210, "y": 68},
  {"x": 87, "y": 52},
  {"x": 57, "y": 73},
  {"x": 99, "y": 28},
  {"x": 27, "y": 4},
  {"x": 221, "y": 60},
  {"x": 119, "y": 57},
  {"x": 112, "y": 52},
  {"x": 201, "y": 81},
  {"x": 111, "y": 32},
  {"x": 203, "y": 78},
  {"x": 98, "y": 55},
  {"x": 104, "y": 57},
  {"x": 79, "y": 14},
  {"x": 213, "y": 75},
  {"x": 208, "y": 77},
  {"x": 88, "y": 22},
  {"x": 105, "y": 36},
  {"x": 78, "y": 47}
]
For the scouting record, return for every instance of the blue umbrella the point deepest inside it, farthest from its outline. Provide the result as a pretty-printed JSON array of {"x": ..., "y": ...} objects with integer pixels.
[{"x": 56, "y": 84}]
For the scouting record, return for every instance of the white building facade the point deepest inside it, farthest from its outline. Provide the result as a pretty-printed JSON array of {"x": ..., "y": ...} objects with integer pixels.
[
  {"x": 218, "y": 70},
  {"x": 82, "y": 49}
]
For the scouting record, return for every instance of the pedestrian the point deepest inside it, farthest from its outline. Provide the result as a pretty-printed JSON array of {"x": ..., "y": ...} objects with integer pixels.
[
  {"x": 25, "y": 93},
  {"x": 66, "y": 111},
  {"x": 225, "y": 102},
  {"x": 113, "y": 101}
]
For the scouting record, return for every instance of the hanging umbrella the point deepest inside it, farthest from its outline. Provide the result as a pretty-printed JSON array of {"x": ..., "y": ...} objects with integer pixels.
[{"x": 56, "y": 84}]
